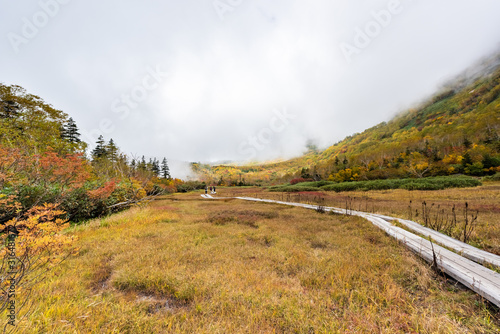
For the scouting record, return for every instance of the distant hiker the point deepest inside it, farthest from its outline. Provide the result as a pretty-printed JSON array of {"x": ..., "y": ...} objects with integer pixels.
[
  {"x": 214, "y": 190},
  {"x": 210, "y": 189},
  {"x": 206, "y": 190}
]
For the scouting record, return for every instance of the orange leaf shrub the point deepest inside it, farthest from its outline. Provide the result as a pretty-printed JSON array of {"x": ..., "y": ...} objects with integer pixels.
[{"x": 102, "y": 192}]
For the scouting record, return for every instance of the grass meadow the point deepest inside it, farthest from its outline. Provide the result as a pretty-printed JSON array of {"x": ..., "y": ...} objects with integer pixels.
[
  {"x": 408, "y": 204},
  {"x": 187, "y": 265}
]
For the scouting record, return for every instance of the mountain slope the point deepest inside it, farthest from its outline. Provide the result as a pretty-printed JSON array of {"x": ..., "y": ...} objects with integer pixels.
[{"x": 455, "y": 132}]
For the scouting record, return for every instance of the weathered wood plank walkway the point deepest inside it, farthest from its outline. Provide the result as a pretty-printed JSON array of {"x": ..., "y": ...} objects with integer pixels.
[
  {"x": 475, "y": 276},
  {"x": 468, "y": 251}
]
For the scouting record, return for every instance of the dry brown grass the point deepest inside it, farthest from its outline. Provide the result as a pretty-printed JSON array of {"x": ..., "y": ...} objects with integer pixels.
[
  {"x": 197, "y": 266},
  {"x": 485, "y": 200}
]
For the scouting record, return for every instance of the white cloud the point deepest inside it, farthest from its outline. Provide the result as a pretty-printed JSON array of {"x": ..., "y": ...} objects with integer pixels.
[{"x": 225, "y": 78}]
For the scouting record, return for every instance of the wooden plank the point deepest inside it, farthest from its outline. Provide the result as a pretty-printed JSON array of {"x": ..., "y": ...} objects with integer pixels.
[
  {"x": 476, "y": 277},
  {"x": 468, "y": 251}
]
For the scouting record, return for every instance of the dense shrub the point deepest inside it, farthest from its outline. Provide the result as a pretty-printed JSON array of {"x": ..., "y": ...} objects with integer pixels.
[
  {"x": 190, "y": 186},
  {"x": 476, "y": 169},
  {"x": 295, "y": 188},
  {"x": 82, "y": 203},
  {"x": 300, "y": 180},
  {"x": 490, "y": 178},
  {"x": 430, "y": 183},
  {"x": 316, "y": 184}
]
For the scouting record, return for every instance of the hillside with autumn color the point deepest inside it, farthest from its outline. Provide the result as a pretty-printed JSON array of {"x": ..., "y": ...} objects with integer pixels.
[{"x": 455, "y": 132}]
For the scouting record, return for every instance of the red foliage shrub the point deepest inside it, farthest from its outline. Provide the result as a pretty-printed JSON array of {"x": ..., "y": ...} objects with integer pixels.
[
  {"x": 71, "y": 169},
  {"x": 300, "y": 180},
  {"x": 103, "y": 192}
]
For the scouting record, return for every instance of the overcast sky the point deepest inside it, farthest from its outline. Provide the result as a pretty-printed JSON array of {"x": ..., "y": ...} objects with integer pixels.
[{"x": 205, "y": 80}]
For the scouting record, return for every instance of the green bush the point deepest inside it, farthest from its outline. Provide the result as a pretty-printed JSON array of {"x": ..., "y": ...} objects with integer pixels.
[
  {"x": 477, "y": 169},
  {"x": 190, "y": 186},
  {"x": 495, "y": 177},
  {"x": 291, "y": 189},
  {"x": 316, "y": 184},
  {"x": 32, "y": 195},
  {"x": 430, "y": 183}
]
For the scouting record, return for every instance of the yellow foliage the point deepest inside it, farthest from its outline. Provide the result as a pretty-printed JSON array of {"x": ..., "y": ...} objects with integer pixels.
[
  {"x": 39, "y": 233},
  {"x": 138, "y": 189},
  {"x": 346, "y": 175},
  {"x": 477, "y": 152},
  {"x": 33, "y": 245},
  {"x": 451, "y": 159}
]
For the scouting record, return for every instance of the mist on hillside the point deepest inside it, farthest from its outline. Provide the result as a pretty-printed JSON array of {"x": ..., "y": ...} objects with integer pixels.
[{"x": 482, "y": 68}]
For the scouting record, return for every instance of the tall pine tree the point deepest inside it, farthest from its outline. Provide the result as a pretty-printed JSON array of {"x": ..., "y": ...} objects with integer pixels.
[
  {"x": 100, "y": 149},
  {"x": 8, "y": 109},
  {"x": 142, "y": 164},
  {"x": 112, "y": 151},
  {"x": 165, "y": 171},
  {"x": 155, "y": 167},
  {"x": 70, "y": 132}
]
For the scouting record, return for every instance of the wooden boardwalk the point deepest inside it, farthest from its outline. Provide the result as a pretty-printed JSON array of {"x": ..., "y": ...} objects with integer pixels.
[
  {"x": 475, "y": 276},
  {"x": 468, "y": 251}
]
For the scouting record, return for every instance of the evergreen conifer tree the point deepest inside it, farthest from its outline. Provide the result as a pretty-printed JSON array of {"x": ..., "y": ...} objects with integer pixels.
[
  {"x": 142, "y": 164},
  {"x": 165, "y": 170},
  {"x": 100, "y": 149},
  {"x": 155, "y": 167},
  {"x": 9, "y": 109},
  {"x": 70, "y": 131},
  {"x": 112, "y": 151}
]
